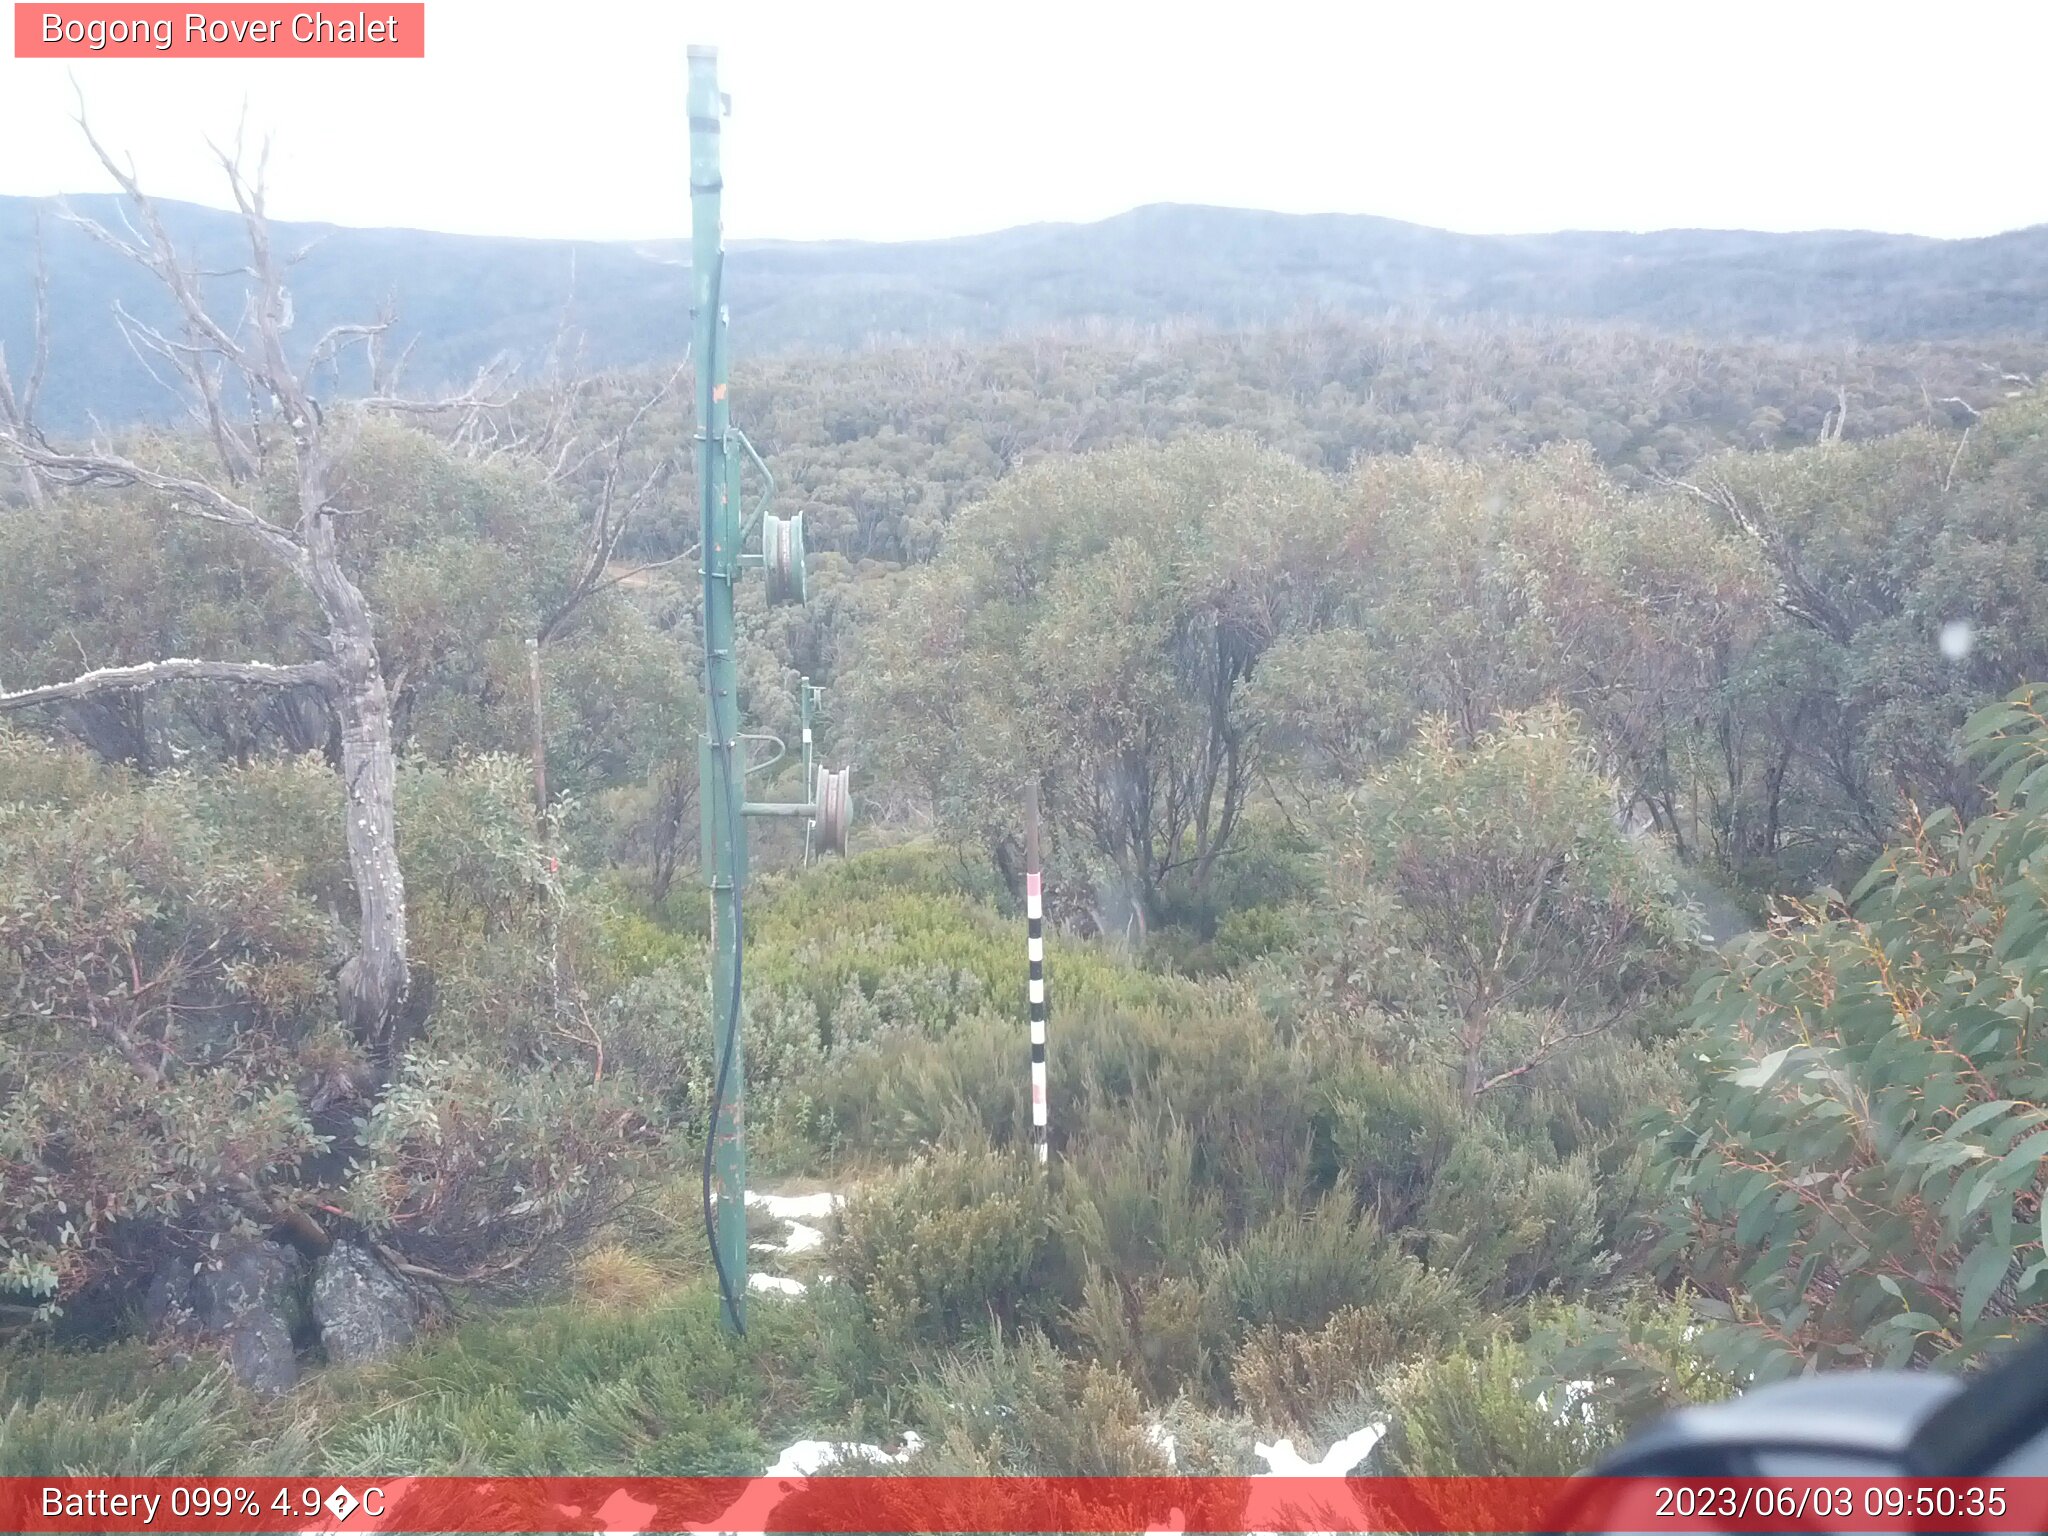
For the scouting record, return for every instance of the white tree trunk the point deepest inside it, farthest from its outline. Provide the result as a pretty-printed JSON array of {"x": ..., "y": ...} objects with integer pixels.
[
  {"x": 378, "y": 976},
  {"x": 376, "y": 979}
]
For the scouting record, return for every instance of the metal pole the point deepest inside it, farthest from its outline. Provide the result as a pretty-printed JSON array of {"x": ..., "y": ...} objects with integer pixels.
[
  {"x": 720, "y": 765},
  {"x": 804, "y": 700},
  {"x": 1034, "y": 946}
]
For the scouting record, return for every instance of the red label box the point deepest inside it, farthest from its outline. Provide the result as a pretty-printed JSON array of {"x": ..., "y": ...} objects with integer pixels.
[
  {"x": 235, "y": 31},
  {"x": 937, "y": 1506}
]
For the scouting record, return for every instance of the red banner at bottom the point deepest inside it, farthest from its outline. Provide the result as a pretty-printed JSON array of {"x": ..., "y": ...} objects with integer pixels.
[{"x": 1016, "y": 1504}]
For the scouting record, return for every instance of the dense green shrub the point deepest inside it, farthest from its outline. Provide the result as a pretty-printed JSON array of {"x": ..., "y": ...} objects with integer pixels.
[
  {"x": 904, "y": 1093},
  {"x": 939, "y": 1250},
  {"x": 1021, "y": 1408},
  {"x": 911, "y": 912},
  {"x": 1134, "y": 1199},
  {"x": 493, "y": 1173},
  {"x": 1246, "y": 1099},
  {"x": 1294, "y": 1379},
  {"x": 171, "y": 1067},
  {"x": 1141, "y": 1225},
  {"x": 1539, "y": 922},
  {"x": 1252, "y": 933},
  {"x": 1510, "y": 1222},
  {"x": 1488, "y": 1414},
  {"x": 559, "y": 1389},
  {"x": 1165, "y": 1332},
  {"x": 1494, "y": 1199},
  {"x": 1296, "y": 1271},
  {"x": 1642, "y": 1348},
  {"x": 161, "y": 1016},
  {"x": 1387, "y": 1130}
]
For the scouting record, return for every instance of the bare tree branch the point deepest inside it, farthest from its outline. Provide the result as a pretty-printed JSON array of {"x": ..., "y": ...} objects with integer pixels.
[
  {"x": 32, "y": 391},
  {"x": 384, "y": 376},
  {"x": 1550, "y": 1042},
  {"x": 608, "y": 524},
  {"x": 18, "y": 407},
  {"x": 199, "y": 366},
  {"x": 569, "y": 340},
  {"x": 620, "y": 578},
  {"x": 338, "y": 337},
  {"x": 173, "y": 669},
  {"x": 105, "y": 469},
  {"x": 1798, "y": 595},
  {"x": 1949, "y": 479},
  {"x": 160, "y": 256}
]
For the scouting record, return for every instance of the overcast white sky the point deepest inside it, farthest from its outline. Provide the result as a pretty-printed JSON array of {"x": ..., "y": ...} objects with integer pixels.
[{"x": 886, "y": 119}]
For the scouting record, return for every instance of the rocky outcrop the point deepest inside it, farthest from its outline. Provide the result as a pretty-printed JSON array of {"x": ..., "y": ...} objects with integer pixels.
[
  {"x": 363, "y": 1309},
  {"x": 248, "y": 1298}
]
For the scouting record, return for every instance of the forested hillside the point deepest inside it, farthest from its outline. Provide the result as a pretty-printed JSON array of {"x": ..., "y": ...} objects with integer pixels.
[
  {"x": 468, "y": 301},
  {"x": 1542, "y": 851}
]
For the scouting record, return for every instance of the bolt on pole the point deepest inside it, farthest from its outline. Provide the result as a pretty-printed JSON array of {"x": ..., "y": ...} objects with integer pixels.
[{"x": 721, "y": 766}]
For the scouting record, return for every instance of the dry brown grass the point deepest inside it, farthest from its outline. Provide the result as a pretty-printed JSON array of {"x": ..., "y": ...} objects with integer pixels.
[{"x": 616, "y": 1279}]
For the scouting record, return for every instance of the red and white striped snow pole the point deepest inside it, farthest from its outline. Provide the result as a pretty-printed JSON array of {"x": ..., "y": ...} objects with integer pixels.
[{"x": 1034, "y": 946}]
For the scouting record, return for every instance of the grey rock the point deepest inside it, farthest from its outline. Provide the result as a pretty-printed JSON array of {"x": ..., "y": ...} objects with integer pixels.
[
  {"x": 259, "y": 1279},
  {"x": 363, "y": 1309},
  {"x": 260, "y": 1350},
  {"x": 167, "y": 1304},
  {"x": 247, "y": 1298}
]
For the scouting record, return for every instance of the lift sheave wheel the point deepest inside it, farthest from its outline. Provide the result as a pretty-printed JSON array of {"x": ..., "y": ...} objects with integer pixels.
[
  {"x": 835, "y": 809},
  {"x": 782, "y": 557}
]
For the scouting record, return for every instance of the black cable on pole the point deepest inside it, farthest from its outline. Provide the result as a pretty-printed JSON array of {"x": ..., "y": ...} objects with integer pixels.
[
  {"x": 731, "y": 1026},
  {"x": 732, "y": 1044}
]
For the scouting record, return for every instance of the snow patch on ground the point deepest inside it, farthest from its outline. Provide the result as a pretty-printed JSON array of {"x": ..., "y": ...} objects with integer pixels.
[
  {"x": 802, "y": 1238},
  {"x": 806, "y": 1458},
  {"x": 1282, "y": 1460},
  {"x": 797, "y": 1207},
  {"x": 1342, "y": 1513},
  {"x": 1162, "y": 1437}
]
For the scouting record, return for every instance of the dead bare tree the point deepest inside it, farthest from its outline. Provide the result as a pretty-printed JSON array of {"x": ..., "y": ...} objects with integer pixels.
[
  {"x": 1799, "y": 596},
  {"x": 211, "y": 357},
  {"x": 18, "y": 405},
  {"x": 1836, "y": 421},
  {"x": 615, "y": 510},
  {"x": 593, "y": 574}
]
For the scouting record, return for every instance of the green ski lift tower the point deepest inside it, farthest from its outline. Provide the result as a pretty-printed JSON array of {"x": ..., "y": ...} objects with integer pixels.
[{"x": 725, "y": 534}]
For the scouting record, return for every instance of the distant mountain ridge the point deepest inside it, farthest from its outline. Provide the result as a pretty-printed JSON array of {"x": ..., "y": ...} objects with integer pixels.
[{"x": 464, "y": 299}]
